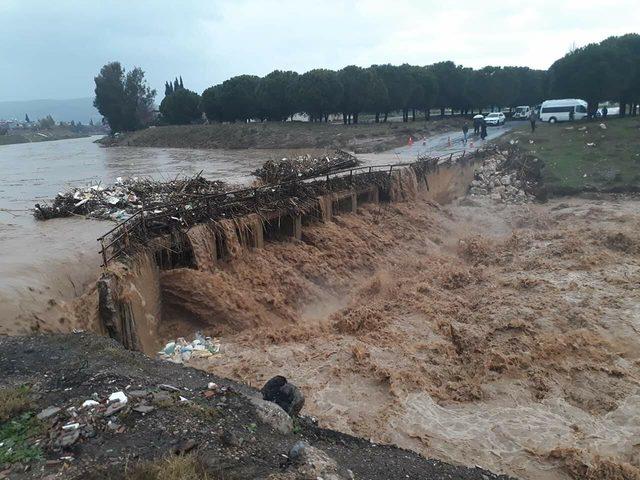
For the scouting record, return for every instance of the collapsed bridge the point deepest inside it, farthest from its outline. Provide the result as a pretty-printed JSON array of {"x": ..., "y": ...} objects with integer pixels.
[{"x": 204, "y": 230}]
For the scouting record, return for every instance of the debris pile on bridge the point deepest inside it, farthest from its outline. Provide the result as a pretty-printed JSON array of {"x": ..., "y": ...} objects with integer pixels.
[
  {"x": 304, "y": 166},
  {"x": 125, "y": 197}
]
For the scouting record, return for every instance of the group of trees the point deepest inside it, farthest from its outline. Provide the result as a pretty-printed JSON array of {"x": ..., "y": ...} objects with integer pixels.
[
  {"x": 180, "y": 106},
  {"x": 123, "y": 98},
  {"x": 378, "y": 90},
  {"x": 605, "y": 71},
  {"x": 609, "y": 70}
]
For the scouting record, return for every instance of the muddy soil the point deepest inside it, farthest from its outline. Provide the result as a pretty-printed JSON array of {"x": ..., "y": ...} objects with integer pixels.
[
  {"x": 221, "y": 426},
  {"x": 479, "y": 334},
  {"x": 359, "y": 138}
]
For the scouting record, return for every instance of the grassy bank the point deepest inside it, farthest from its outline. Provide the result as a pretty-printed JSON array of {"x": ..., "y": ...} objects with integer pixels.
[
  {"x": 359, "y": 138},
  {"x": 44, "y": 136},
  {"x": 584, "y": 156}
]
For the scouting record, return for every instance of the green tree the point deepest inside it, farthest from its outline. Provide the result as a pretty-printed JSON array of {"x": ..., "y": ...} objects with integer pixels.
[
  {"x": 378, "y": 101},
  {"x": 356, "y": 92},
  {"x": 46, "y": 123},
  {"x": 452, "y": 85},
  {"x": 320, "y": 93},
  {"x": 181, "y": 107},
  {"x": 587, "y": 73},
  {"x": 424, "y": 91},
  {"x": 394, "y": 81},
  {"x": 210, "y": 103},
  {"x": 277, "y": 95},
  {"x": 123, "y": 99},
  {"x": 237, "y": 98}
]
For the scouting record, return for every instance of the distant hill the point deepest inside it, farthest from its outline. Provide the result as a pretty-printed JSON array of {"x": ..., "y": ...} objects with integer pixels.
[{"x": 77, "y": 109}]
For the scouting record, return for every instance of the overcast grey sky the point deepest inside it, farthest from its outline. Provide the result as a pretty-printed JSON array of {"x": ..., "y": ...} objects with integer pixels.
[{"x": 54, "y": 48}]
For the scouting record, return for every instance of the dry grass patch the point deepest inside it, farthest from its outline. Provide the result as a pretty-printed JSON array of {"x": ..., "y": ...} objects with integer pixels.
[
  {"x": 13, "y": 401},
  {"x": 186, "y": 467}
]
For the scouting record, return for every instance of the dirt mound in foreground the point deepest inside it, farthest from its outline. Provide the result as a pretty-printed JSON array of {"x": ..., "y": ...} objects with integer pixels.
[{"x": 219, "y": 430}]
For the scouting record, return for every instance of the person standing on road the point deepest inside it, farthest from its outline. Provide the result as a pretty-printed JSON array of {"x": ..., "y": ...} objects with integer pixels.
[
  {"x": 532, "y": 120},
  {"x": 465, "y": 131},
  {"x": 476, "y": 126},
  {"x": 605, "y": 112},
  {"x": 483, "y": 129}
]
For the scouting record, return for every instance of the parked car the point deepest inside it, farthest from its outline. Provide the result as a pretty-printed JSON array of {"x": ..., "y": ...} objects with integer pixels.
[
  {"x": 553, "y": 111},
  {"x": 610, "y": 111},
  {"x": 522, "y": 112},
  {"x": 495, "y": 118}
]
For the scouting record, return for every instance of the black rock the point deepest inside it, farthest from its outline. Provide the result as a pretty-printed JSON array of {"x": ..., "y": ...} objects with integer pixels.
[{"x": 285, "y": 394}]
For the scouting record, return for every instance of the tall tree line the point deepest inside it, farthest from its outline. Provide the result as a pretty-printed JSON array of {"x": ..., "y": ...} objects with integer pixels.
[
  {"x": 377, "y": 90},
  {"x": 606, "y": 71}
]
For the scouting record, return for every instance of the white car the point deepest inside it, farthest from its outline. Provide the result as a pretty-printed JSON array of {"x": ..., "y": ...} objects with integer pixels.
[
  {"x": 495, "y": 118},
  {"x": 522, "y": 112}
]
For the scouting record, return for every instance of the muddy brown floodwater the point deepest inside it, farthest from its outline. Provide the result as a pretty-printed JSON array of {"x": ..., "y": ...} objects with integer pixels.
[
  {"x": 503, "y": 336},
  {"x": 46, "y": 265}
]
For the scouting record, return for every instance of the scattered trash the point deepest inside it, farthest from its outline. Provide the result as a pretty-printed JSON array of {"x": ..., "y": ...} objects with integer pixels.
[
  {"x": 71, "y": 426},
  {"x": 591, "y": 144},
  {"x": 304, "y": 166},
  {"x": 118, "y": 397},
  {"x": 603, "y": 126},
  {"x": 48, "y": 412},
  {"x": 169, "y": 388},
  {"x": 89, "y": 403},
  {"x": 180, "y": 350},
  {"x": 143, "y": 409}
]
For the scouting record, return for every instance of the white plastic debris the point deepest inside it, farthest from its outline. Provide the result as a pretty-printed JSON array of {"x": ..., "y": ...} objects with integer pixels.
[
  {"x": 212, "y": 386},
  {"x": 71, "y": 426},
  {"x": 118, "y": 397},
  {"x": 180, "y": 351},
  {"x": 89, "y": 403}
]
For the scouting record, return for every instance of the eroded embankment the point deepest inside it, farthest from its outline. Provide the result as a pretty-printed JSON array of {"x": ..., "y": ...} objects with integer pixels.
[
  {"x": 504, "y": 336},
  {"x": 501, "y": 337}
]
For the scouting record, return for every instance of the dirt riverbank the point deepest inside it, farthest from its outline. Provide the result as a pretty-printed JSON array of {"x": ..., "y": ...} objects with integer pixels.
[
  {"x": 173, "y": 423},
  {"x": 359, "y": 138},
  {"x": 503, "y": 336}
]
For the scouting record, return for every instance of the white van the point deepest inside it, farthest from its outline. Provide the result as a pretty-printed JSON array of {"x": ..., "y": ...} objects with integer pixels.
[
  {"x": 553, "y": 111},
  {"x": 522, "y": 112}
]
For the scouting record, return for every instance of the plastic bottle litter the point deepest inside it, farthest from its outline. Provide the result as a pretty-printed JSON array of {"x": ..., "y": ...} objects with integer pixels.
[
  {"x": 180, "y": 350},
  {"x": 89, "y": 403},
  {"x": 118, "y": 397}
]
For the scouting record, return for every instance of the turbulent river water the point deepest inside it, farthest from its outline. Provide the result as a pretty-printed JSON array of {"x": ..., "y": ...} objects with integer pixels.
[
  {"x": 54, "y": 260},
  {"x": 504, "y": 336},
  {"x": 45, "y": 262}
]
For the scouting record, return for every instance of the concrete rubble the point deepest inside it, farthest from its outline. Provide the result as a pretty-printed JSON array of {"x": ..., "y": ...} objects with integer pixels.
[{"x": 494, "y": 180}]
